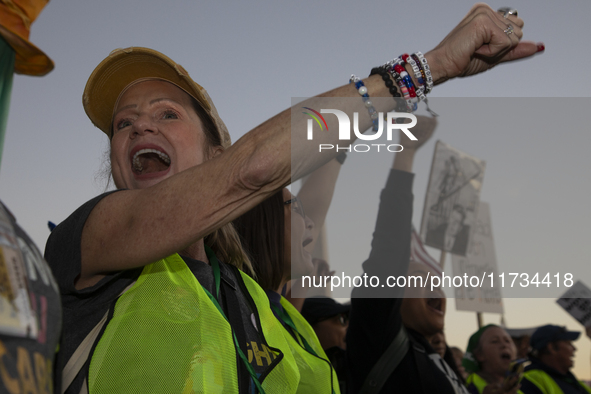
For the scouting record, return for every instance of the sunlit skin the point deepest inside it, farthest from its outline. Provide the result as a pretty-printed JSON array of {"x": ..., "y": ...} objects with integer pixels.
[
  {"x": 423, "y": 310},
  {"x": 560, "y": 356},
  {"x": 155, "y": 115},
  {"x": 298, "y": 260},
  {"x": 495, "y": 352}
]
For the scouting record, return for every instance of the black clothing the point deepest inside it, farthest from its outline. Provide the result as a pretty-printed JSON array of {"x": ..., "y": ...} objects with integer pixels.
[
  {"x": 374, "y": 322},
  {"x": 448, "y": 357},
  {"x": 568, "y": 383}
]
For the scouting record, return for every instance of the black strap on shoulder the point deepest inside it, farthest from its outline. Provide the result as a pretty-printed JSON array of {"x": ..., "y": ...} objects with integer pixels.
[
  {"x": 387, "y": 363},
  {"x": 421, "y": 361},
  {"x": 232, "y": 307}
]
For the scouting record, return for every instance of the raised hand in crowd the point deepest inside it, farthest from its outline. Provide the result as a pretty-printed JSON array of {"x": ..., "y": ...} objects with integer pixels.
[{"x": 483, "y": 39}]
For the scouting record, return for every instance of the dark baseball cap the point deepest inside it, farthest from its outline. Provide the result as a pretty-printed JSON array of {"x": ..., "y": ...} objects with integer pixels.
[
  {"x": 317, "y": 309},
  {"x": 550, "y": 333}
]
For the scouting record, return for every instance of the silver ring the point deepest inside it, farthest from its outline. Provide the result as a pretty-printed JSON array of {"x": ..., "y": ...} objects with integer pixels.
[
  {"x": 509, "y": 30},
  {"x": 507, "y": 11}
]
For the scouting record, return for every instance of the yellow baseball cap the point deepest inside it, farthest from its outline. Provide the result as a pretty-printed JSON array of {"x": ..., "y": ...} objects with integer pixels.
[
  {"x": 125, "y": 66},
  {"x": 16, "y": 17}
]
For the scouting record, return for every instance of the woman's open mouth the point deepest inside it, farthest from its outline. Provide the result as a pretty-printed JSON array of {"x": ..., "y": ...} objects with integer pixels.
[
  {"x": 435, "y": 303},
  {"x": 506, "y": 356},
  {"x": 149, "y": 161}
]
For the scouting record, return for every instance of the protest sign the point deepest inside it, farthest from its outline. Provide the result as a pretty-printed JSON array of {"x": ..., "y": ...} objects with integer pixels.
[
  {"x": 479, "y": 261},
  {"x": 577, "y": 302},
  {"x": 452, "y": 199}
]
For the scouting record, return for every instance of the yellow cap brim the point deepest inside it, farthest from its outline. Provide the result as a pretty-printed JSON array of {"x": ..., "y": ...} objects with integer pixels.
[{"x": 124, "y": 66}]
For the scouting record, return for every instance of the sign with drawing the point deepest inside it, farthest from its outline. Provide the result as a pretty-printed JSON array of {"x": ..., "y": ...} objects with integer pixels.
[
  {"x": 451, "y": 203},
  {"x": 480, "y": 260}
]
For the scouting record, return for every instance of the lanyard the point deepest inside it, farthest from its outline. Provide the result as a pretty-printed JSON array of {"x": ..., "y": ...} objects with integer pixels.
[
  {"x": 284, "y": 317},
  {"x": 216, "y": 275}
]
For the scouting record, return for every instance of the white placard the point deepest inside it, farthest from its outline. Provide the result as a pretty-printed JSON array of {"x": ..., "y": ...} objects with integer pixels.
[
  {"x": 452, "y": 198},
  {"x": 577, "y": 302},
  {"x": 479, "y": 261}
]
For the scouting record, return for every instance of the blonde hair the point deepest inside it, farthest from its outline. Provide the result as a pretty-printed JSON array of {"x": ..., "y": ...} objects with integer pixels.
[{"x": 225, "y": 243}]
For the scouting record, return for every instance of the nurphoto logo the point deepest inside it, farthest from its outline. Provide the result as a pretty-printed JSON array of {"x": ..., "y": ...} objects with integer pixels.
[{"x": 391, "y": 120}]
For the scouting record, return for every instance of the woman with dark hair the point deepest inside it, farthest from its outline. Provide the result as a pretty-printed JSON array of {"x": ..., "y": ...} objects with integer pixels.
[{"x": 278, "y": 237}]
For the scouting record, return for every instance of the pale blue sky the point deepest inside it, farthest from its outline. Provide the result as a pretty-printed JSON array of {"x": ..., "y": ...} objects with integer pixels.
[{"x": 254, "y": 56}]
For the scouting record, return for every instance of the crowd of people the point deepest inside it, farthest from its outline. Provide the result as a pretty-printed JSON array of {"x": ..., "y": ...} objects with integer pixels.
[{"x": 178, "y": 281}]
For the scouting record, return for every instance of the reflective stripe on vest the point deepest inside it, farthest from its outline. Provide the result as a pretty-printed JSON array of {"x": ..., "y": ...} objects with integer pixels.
[
  {"x": 316, "y": 372},
  {"x": 545, "y": 382},
  {"x": 166, "y": 336},
  {"x": 477, "y": 381},
  {"x": 480, "y": 383}
]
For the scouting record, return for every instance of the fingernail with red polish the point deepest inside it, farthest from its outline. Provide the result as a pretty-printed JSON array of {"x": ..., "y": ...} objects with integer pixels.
[{"x": 541, "y": 47}]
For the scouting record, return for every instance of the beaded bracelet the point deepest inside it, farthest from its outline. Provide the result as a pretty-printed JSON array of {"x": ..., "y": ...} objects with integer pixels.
[
  {"x": 400, "y": 74},
  {"x": 422, "y": 92},
  {"x": 389, "y": 67},
  {"x": 407, "y": 79},
  {"x": 412, "y": 94},
  {"x": 418, "y": 63},
  {"x": 386, "y": 78},
  {"x": 415, "y": 68},
  {"x": 403, "y": 89},
  {"x": 428, "y": 76},
  {"x": 362, "y": 90},
  {"x": 400, "y": 104}
]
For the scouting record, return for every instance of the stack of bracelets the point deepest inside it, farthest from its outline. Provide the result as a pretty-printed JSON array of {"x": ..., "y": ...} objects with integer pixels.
[{"x": 395, "y": 69}]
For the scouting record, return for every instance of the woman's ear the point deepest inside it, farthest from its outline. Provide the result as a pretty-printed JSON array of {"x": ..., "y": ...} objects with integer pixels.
[{"x": 215, "y": 151}]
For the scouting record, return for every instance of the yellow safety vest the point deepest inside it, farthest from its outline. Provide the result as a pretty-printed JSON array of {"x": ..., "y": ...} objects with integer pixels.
[
  {"x": 480, "y": 383},
  {"x": 545, "y": 382},
  {"x": 166, "y": 336},
  {"x": 316, "y": 373}
]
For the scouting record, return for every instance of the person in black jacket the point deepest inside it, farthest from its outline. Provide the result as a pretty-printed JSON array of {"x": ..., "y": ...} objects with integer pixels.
[
  {"x": 378, "y": 314},
  {"x": 552, "y": 360}
]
